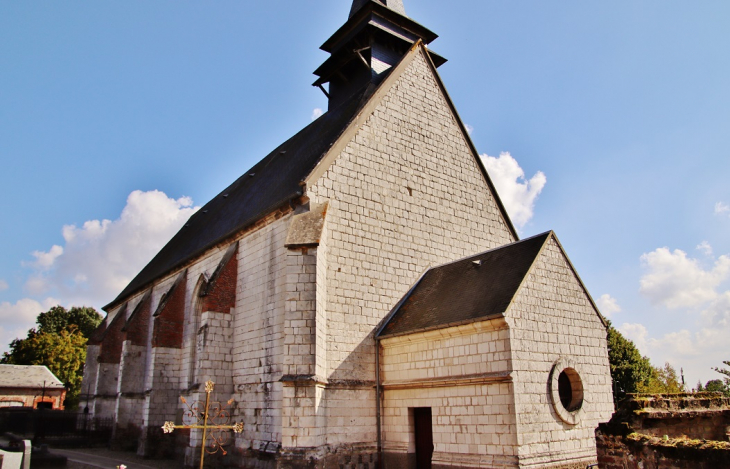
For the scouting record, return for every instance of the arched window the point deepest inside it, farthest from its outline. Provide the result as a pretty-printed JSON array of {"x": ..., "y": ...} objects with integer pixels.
[{"x": 197, "y": 331}]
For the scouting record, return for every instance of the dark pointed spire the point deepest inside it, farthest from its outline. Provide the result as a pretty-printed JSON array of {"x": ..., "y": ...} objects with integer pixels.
[
  {"x": 395, "y": 5},
  {"x": 375, "y": 37}
]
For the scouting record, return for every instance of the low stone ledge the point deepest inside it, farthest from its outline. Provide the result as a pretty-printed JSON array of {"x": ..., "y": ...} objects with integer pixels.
[{"x": 679, "y": 431}]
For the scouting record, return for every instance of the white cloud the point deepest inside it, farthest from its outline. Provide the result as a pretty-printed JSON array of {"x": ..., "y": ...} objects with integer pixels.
[
  {"x": 44, "y": 260},
  {"x": 608, "y": 305},
  {"x": 517, "y": 193},
  {"x": 37, "y": 284},
  {"x": 678, "y": 344},
  {"x": 705, "y": 247},
  {"x": 316, "y": 112},
  {"x": 635, "y": 332},
  {"x": 17, "y": 318},
  {"x": 99, "y": 258},
  {"x": 717, "y": 313},
  {"x": 698, "y": 298},
  {"x": 697, "y": 352},
  {"x": 3, "y": 285},
  {"x": 721, "y": 208},
  {"x": 676, "y": 281},
  {"x": 469, "y": 128}
]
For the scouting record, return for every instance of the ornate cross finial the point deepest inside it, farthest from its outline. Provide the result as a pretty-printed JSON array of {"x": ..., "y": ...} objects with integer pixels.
[{"x": 213, "y": 416}]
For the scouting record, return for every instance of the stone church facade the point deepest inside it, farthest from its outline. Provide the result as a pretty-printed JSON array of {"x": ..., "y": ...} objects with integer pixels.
[{"x": 362, "y": 295}]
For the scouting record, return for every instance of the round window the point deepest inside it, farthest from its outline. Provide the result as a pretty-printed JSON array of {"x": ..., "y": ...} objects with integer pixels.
[{"x": 566, "y": 390}]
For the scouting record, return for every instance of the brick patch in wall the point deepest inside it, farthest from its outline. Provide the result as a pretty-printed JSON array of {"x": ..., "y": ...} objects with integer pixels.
[
  {"x": 220, "y": 292},
  {"x": 170, "y": 316}
]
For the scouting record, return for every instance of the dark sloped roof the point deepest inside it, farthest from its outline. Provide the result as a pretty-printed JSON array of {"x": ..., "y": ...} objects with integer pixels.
[
  {"x": 270, "y": 183},
  {"x": 466, "y": 290}
]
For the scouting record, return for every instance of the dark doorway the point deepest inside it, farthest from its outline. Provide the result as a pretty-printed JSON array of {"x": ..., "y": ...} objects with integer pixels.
[{"x": 424, "y": 437}]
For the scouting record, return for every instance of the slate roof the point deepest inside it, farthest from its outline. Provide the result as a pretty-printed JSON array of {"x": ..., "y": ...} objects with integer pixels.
[
  {"x": 28, "y": 376},
  {"x": 469, "y": 289},
  {"x": 272, "y": 182}
]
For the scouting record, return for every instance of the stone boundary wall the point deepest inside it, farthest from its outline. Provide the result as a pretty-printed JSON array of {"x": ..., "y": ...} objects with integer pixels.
[
  {"x": 636, "y": 451},
  {"x": 663, "y": 431}
]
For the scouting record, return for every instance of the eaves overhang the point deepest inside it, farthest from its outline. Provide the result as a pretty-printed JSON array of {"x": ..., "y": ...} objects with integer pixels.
[{"x": 369, "y": 14}]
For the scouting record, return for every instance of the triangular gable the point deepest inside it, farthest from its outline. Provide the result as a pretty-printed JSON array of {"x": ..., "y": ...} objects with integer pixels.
[
  {"x": 372, "y": 103},
  {"x": 470, "y": 289},
  {"x": 571, "y": 267}
]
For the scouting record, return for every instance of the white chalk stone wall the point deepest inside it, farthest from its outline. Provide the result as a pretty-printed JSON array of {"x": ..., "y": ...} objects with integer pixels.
[
  {"x": 258, "y": 336},
  {"x": 91, "y": 373},
  {"x": 300, "y": 332},
  {"x": 552, "y": 317},
  {"x": 462, "y": 374},
  {"x": 106, "y": 380},
  {"x": 405, "y": 193},
  {"x": 214, "y": 343},
  {"x": 205, "y": 265},
  {"x": 131, "y": 385},
  {"x": 105, "y": 406},
  {"x": 164, "y": 387},
  {"x": 132, "y": 368},
  {"x": 302, "y": 405}
]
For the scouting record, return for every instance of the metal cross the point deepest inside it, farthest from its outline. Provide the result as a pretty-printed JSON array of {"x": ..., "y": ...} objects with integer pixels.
[{"x": 213, "y": 416}]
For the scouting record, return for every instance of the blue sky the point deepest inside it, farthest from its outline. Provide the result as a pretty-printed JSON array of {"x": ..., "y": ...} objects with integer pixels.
[{"x": 615, "y": 114}]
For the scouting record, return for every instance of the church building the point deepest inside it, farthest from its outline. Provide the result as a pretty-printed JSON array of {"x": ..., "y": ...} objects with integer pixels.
[{"x": 361, "y": 295}]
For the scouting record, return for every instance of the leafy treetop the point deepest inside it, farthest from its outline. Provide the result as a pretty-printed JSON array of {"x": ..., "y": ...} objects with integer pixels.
[
  {"x": 631, "y": 372},
  {"x": 59, "y": 318}
]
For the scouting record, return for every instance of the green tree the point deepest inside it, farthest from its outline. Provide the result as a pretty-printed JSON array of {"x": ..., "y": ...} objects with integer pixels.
[
  {"x": 718, "y": 385},
  {"x": 60, "y": 344},
  {"x": 630, "y": 371},
  {"x": 724, "y": 371},
  {"x": 59, "y": 318},
  {"x": 663, "y": 380}
]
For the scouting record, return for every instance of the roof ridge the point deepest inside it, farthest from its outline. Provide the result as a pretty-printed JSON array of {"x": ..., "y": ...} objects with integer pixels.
[
  {"x": 464, "y": 290},
  {"x": 496, "y": 248}
]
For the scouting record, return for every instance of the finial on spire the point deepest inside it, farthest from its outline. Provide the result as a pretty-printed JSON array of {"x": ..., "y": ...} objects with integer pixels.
[{"x": 395, "y": 5}]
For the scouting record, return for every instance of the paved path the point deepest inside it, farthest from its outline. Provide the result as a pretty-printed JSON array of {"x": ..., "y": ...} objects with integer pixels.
[{"x": 91, "y": 458}]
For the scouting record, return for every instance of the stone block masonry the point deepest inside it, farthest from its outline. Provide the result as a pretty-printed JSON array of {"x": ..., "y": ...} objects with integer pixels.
[
  {"x": 553, "y": 317},
  {"x": 405, "y": 192}
]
